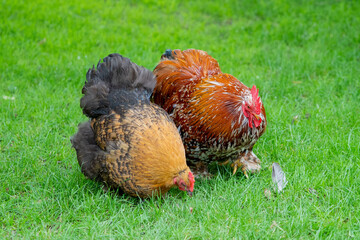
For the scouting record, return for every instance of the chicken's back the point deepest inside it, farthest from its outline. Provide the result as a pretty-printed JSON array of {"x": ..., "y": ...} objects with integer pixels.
[{"x": 177, "y": 74}]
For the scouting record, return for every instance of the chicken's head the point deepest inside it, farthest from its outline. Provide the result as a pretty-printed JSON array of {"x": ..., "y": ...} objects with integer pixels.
[
  {"x": 252, "y": 109},
  {"x": 185, "y": 181}
]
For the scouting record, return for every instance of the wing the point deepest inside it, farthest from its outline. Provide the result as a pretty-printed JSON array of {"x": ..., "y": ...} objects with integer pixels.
[
  {"x": 214, "y": 108},
  {"x": 108, "y": 128}
]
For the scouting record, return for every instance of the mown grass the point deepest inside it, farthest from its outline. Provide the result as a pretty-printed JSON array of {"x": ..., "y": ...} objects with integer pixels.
[{"x": 303, "y": 55}]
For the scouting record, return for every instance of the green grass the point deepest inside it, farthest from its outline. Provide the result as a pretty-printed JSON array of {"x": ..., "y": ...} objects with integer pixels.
[{"x": 304, "y": 56}]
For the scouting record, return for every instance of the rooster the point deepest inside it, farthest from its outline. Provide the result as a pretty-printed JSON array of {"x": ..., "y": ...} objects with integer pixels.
[
  {"x": 218, "y": 117},
  {"x": 129, "y": 143}
]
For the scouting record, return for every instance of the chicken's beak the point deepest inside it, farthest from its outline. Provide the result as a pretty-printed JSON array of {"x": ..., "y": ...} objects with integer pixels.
[
  {"x": 189, "y": 192},
  {"x": 256, "y": 116}
]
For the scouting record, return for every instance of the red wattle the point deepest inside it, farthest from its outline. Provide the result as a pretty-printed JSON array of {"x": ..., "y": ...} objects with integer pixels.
[
  {"x": 250, "y": 121},
  {"x": 192, "y": 181},
  {"x": 257, "y": 122}
]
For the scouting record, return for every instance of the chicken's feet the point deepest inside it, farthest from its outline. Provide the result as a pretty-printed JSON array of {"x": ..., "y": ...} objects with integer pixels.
[{"x": 248, "y": 162}]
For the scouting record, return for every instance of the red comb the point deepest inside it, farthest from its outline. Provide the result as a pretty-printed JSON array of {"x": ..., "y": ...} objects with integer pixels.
[
  {"x": 256, "y": 99},
  {"x": 192, "y": 181}
]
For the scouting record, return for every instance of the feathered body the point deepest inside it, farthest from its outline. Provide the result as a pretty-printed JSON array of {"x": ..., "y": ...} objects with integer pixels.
[
  {"x": 218, "y": 117},
  {"x": 129, "y": 143}
]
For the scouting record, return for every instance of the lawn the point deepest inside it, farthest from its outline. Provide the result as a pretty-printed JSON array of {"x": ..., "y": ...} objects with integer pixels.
[{"x": 304, "y": 56}]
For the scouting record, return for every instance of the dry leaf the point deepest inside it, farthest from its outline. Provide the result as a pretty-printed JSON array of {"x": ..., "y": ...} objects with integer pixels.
[
  {"x": 267, "y": 193},
  {"x": 275, "y": 225},
  {"x": 313, "y": 191},
  {"x": 278, "y": 177}
]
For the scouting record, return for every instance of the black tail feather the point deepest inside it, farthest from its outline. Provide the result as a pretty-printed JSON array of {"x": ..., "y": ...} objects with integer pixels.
[{"x": 113, "y": 77}]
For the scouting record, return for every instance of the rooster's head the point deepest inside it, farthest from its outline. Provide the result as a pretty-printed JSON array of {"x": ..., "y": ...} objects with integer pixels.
[{"x": 252, "y": 108}]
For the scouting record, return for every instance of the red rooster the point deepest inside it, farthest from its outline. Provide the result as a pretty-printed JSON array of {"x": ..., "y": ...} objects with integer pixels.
[{"x": 218, "y": 117}]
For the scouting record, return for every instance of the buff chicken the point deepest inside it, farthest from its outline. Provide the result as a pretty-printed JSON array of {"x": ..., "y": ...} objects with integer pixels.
[
  {"x": 129, "y": 143},
  {"x": 218, "y": 117}
]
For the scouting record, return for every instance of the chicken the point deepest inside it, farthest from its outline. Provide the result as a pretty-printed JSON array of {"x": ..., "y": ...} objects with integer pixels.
[
  {"x": 218, "y": 117},
  {"x": 129, "y": 143}
]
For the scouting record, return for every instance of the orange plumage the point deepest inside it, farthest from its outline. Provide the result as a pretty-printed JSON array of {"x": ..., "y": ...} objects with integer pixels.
[
  {"x": 219, "y": 118},
  {"x": 129, "y": 143}
]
